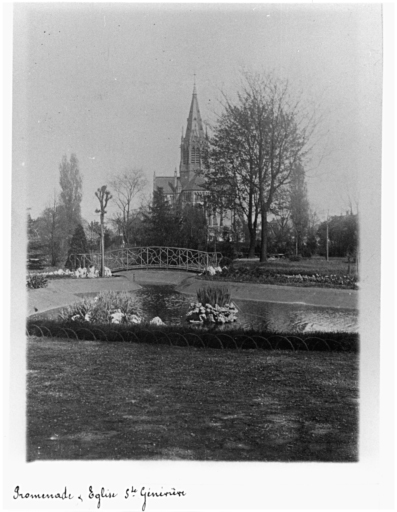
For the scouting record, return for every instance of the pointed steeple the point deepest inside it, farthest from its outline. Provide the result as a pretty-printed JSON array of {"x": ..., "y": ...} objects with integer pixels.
[
  {"x": 192, "y": 144},
  {"x": 194, "y": 123}
]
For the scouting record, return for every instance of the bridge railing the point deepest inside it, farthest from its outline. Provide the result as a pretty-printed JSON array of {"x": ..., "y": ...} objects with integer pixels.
[{"x": 149, "y": 257}]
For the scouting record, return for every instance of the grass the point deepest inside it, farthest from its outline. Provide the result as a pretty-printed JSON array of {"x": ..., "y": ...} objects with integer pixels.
[
  {"x": 102, "y": 401},
  {"x": 314, "y": 264}
]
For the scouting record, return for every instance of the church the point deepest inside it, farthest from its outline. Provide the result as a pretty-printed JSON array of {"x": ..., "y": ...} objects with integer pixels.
[{"x": 188, "y": 186}]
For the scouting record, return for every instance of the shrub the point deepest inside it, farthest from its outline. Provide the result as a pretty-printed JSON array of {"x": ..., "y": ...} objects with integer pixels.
[
  {"x": 36, "y": 281},
  {"x": 108, "y": 307},
  {"x": 295, "y": 257},
  {"x": 213, "y": 296}
]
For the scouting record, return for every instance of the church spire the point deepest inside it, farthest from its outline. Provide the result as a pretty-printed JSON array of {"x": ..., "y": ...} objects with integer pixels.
[
  {"x": 192, "y": 143},
  {"x": 194, "y": 122}
]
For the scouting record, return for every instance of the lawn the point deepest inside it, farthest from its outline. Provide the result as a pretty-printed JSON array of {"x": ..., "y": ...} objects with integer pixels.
[
  {"x": 308, "y": 272},
  {"x": 314, "y": 264},
  {"x": 96, "y": 400}
]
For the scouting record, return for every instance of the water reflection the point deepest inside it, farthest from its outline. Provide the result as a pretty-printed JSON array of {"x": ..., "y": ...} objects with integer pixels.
[{"x": 171, "y": 307}]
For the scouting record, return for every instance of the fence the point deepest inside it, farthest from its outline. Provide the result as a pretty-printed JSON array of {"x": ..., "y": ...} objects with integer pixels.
[{"x": 338, "y": 342}]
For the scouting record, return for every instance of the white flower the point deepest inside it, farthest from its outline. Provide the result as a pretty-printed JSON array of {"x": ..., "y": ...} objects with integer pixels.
[
  {"x": 157, "y": 321},
  {"x": 117, "y": 317},
  {"x": 135, "y": 319}
]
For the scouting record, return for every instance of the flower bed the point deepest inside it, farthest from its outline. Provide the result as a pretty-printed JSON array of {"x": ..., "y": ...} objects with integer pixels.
[
  {"x": 80, "y": 272},
  {"x": 213, "y": 306},
  {"x": 207, "y": 314},
  {"x": 260, "y": 274},
  {"x": 107, "y": 308}
]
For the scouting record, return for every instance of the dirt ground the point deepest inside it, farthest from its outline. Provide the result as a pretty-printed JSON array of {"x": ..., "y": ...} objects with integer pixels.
[{"x": 103, "y": 401}]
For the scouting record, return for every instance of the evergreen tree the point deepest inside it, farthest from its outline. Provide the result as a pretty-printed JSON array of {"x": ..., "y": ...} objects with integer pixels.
[
  {"x": 78, "y": 245},
  {"x": 162, "y": 223},
  {"x": 193, "y": 227},
  {"x": 299, "y": 206},
  {"x": 71, "y": 194}
]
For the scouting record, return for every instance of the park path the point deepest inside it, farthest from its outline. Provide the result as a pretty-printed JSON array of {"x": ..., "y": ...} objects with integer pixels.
[{"x": 63, "y": 292}]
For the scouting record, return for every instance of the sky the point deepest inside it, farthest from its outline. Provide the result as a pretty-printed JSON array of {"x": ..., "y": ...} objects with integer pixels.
[{"x": 113, "y": 83}]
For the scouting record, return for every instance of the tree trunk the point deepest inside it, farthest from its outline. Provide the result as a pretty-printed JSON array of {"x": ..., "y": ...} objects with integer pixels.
[
  {"x": 252, "y": 233},
  {"x": 102, "y": 249},
  {"x": 263, "y": 257}
]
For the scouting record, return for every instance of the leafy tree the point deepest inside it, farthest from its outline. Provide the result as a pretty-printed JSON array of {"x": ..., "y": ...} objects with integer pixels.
[
  {"x": 126, "y": 187},
  {"x": 71, "y": 194},
  {"x": 299, "y": 206},
  {"x": 342, "y": 235}
]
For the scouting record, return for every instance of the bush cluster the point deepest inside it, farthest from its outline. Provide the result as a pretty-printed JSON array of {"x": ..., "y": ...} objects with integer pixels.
[{"x": 36, "y": 281}]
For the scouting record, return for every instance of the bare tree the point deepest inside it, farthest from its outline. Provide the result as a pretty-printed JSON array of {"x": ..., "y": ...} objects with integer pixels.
[
  {"x": 104, "y": 197},
  {"x": 270, "y": 134},
  {"x": 126, "y": 187},
  {"x": 231, "y": 175}
]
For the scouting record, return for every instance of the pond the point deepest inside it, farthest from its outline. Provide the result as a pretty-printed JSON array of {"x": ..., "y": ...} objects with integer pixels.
[{"x": 171, "y": 307}]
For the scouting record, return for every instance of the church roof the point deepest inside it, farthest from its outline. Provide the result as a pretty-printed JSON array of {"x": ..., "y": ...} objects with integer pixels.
[
  {"x": 194, "y": 123},
  {"x": 196, "y": 183},
  {"x": 166, "y": 183}
]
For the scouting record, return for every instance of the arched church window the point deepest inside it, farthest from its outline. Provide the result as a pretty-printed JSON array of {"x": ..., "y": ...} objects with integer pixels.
[{"x": 195, "y": 155}]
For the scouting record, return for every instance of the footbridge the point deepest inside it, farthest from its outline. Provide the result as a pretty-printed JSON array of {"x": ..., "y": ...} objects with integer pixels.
[{"x": 172, "y": 258}]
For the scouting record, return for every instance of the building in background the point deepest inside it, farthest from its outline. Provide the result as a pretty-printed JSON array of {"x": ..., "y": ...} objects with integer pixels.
[{"x": 188, "y": 186}]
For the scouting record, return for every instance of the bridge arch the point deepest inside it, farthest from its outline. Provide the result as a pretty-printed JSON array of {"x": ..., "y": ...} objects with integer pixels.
[{"x": 172, "y": 258}]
